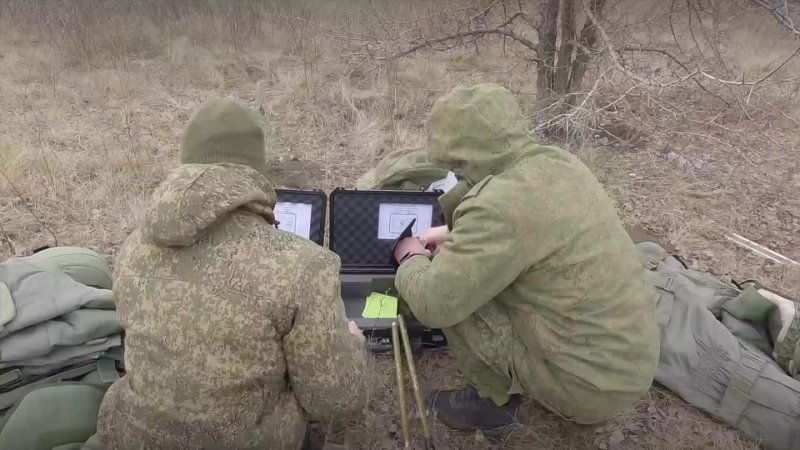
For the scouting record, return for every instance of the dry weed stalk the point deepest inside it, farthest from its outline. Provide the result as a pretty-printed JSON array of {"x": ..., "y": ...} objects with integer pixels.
[{"x": 27, "y": 207}]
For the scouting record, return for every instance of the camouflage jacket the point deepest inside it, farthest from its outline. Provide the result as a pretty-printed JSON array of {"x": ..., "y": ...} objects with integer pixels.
[
  {"x": 236, "y": 333},
  {"x": 537, "y": 233}
]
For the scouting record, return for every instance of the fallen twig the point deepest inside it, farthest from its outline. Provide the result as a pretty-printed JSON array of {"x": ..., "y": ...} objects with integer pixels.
[{"x": 760, "y": 249}]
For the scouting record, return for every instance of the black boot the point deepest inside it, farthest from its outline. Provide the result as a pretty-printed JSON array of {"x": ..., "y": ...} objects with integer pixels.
[{"x": 466, "y": 410}]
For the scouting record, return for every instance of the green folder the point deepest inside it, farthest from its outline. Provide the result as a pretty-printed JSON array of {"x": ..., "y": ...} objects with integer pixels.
[{"x": 380, "y": 306}]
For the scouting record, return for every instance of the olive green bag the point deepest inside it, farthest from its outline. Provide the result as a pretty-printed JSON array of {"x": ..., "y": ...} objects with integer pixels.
[
  {"x": 61, "y": 415},
  {"x": 727, "y": 350}
]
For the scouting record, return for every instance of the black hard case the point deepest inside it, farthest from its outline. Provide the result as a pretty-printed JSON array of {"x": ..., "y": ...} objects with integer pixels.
[
  {"x": 366, "y": 260},
  {"x": 319, "y": 205}
]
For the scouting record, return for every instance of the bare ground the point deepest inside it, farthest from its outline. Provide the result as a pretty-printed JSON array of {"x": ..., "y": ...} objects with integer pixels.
[{"x": 90, "y": 125}]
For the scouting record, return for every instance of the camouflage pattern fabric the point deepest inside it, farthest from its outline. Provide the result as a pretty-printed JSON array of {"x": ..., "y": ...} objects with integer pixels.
[
  {"x": 236, "y": 334},
  {"x": 540, "y": 290},
  {"x": 404, "y": 169}
]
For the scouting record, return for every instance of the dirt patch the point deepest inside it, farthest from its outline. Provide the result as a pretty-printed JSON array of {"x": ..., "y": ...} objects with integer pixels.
[
  {"x": 659, "y": 422},
  {"x": 295, "y": 174}
]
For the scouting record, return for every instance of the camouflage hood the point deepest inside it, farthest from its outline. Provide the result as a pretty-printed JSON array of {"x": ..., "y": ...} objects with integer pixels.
[
  {"x": 198, "y": 196},
  {"x": 478, "y": 131}
]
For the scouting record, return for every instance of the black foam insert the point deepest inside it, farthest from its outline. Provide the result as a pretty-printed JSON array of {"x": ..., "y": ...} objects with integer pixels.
[
  {"x": 354, "y": 226},
  {"x": 319, "y": 204}
]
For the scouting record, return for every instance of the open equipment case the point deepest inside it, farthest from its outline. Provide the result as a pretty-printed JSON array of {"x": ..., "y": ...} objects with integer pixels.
[
  {"x": 302, "y": 213},
  {"x": 362, "y": 227}
]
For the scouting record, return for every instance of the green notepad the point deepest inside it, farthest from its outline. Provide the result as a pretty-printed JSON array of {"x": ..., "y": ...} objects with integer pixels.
[{"x": 380, "y": 306}]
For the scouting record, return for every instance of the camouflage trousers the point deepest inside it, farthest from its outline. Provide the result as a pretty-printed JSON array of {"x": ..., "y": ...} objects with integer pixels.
[{"x": 497, "y": 364}]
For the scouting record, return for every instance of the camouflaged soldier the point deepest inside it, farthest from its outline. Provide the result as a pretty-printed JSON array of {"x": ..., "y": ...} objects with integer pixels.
[
  {"x": 536, "y": 285},
  {"x": 236, "y": 334}
]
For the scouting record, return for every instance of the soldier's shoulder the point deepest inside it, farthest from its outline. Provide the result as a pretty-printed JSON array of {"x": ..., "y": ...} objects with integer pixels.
[
  {"x": 303, "y": 251},
  {"x": 494, "y": 191},
  {"x": 479, "y": 187},
  {"x": 318, "y": 258}
]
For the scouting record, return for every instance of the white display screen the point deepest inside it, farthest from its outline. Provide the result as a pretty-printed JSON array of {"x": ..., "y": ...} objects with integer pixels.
[
  {"x": 395, "y": 217},
  {"x": 294, "y": 218}
]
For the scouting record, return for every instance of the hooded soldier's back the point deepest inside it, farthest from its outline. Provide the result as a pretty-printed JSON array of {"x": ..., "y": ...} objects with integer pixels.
[
  {"x": 235, "y": 332},
  {"x": 540, "y": 281}
]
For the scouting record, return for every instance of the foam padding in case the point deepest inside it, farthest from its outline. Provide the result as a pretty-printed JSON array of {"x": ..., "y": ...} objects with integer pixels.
[
  {"x": 319, "y": 205},
  {"x": 354, "y": 226}
]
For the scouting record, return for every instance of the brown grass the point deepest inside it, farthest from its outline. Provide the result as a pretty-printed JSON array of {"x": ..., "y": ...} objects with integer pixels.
[{"x": 93, "y": 102}]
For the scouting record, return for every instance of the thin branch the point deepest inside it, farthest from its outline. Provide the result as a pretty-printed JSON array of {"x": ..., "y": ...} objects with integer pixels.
[
  {"x": 612, "y": 52},
  {"x": 784, "y": 18},
  {"x": 485, "y": 11},
  {"x": 499, "y": 31},
  {"x": 691, "y": 27},
  {"x": 763, "y": 132},
  {"x": 751, "y": 83},
  {"x": 684, "y": 66},
  {"x": 672, "y": 24}
]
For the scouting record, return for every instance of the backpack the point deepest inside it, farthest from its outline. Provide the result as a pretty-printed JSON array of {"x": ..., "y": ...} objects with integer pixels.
[
  {"x": 62, "y": 347},
  {"x": 405, "y": 169}
]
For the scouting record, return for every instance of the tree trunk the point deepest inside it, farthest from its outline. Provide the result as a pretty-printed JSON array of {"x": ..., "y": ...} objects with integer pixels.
[
  {"x": 566, "y": 47},
  {"x": 582, "y": 58},
  {"x": 548, "y": 33}
]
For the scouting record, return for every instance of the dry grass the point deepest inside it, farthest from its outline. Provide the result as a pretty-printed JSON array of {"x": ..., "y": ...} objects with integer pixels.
[{"x": 93, "y": 102}]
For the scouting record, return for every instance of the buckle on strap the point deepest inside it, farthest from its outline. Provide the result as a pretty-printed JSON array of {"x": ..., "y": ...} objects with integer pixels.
[
  {"x": 665, "y": 283},
  {"x": 10, "y": 377},
  {"x": 107, "y": 370},
  {"x": 653, "y": 263},
  {"x": 740, "y": 387}
]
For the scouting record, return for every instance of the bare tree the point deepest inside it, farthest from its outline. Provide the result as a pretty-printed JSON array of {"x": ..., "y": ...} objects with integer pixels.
[{"x": 574, "y": 38}]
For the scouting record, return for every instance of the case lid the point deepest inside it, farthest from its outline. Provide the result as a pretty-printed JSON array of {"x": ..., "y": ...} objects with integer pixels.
[
  {"x": 302, "y": 213},
  {"x": 364, "y": 225}
]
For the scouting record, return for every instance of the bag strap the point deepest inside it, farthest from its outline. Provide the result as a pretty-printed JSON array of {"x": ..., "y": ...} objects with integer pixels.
[
  {"x": 10, "y": 377},
  {"x": 740, "y": 387},
  {"x": 107, "y": 369}
]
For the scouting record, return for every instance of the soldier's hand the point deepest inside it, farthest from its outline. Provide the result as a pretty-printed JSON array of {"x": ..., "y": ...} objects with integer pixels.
[
  {"x": 436, "y": 236},
  {"x": 354, "y": 330},
  {"x": 410, "y": 245}
]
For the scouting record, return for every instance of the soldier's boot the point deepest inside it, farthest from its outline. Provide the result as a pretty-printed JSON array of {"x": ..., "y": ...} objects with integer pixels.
[
  {"x": 327, "y": 446},
  {"x": 317, "y": 444},
  {"x": 466, "y": 410}
]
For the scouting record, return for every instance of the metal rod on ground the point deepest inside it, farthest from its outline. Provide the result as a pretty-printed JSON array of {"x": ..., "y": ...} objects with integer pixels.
[
  {"x": 401, "y": 389},
  {"x": 412, "y": 371}
]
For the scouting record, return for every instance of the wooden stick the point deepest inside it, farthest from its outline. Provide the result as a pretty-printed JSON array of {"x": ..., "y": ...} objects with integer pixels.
[
  {"x": 760, "y": 249},
  {"x": 398, "y": 365},
  {"x": 412, "y": 371}
]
